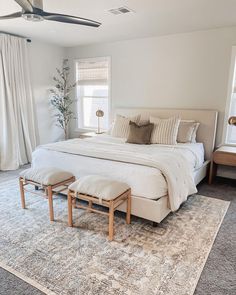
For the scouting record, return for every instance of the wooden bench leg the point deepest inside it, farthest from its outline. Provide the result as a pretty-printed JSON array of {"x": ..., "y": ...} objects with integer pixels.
[
  {"x": 70, "y": 218},
  {"x": 111, "y": 220},
  {"x": 22, "y": 193},
  {"x": 128, "y": 212},
  {"x": 90, "y": 204},
  {"x": 73, "y": 202},
  {"x": 50, "y": 202}
]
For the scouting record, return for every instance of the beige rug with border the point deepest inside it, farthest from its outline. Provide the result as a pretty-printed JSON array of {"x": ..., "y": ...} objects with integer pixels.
[{"x": 166, "y": 260}]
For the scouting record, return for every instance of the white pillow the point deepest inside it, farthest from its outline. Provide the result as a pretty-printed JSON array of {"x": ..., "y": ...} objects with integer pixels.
[
  {"x": 165, "y": 130},
  {"x": 121, "y": 125}
]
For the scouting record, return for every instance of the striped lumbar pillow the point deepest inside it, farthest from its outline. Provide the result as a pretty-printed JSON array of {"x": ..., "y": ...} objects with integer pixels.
[
  {"x": 121, "y": 126},
  {"x": 165, "y": 130}
]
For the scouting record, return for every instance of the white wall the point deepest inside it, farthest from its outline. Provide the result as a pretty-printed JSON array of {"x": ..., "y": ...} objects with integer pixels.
[
  {"x": 44, "y": 58},
  {"x": 176, "y": 71}
]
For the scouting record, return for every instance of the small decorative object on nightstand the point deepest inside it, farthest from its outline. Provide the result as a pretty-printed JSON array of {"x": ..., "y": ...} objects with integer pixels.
[
  {"x": 99, "y": 114},
  {"x": 225, "y": 155}
]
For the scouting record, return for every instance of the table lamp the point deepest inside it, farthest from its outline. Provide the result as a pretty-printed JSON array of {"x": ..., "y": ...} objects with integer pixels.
[
  {"x": 232, "y": 121},
  {"x": 99, "y": 114}
]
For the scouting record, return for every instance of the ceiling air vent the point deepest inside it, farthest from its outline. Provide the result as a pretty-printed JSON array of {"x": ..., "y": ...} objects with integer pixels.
[{"x": 120, "y": 10}]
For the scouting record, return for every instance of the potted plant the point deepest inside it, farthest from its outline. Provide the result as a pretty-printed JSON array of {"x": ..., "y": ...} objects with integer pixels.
[{"x": 60, "y": 97}]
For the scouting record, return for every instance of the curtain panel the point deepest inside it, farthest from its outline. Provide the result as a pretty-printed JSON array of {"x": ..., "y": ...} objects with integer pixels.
[{"x": 18, "y": 127}]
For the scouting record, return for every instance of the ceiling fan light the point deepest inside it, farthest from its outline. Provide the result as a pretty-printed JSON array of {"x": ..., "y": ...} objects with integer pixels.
[{"x": 32, "y": 17}]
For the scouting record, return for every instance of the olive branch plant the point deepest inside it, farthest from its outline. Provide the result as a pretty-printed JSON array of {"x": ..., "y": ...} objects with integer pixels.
[{"x": 60, "y": 97}]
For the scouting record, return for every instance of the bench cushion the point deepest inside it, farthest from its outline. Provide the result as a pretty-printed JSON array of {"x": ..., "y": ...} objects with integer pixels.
[
  {"x": 99, "y": 186},
  {"x": 46, "y": 176}
]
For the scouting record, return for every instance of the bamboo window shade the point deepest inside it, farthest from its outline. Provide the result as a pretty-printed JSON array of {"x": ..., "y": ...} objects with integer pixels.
[{"x": 91, "y": 72}]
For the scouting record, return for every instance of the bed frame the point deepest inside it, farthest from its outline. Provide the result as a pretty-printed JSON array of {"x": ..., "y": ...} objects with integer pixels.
[{"x": 157, "y": 210}]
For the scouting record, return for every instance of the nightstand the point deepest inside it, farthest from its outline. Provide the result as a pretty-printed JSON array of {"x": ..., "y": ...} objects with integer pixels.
[
  {"x": 225, "y": 155},
  {"x": 89, "y": 134}
]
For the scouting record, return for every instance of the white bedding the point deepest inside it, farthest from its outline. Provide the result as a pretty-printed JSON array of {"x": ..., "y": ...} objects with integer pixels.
[{"x": 145, "y": 181}]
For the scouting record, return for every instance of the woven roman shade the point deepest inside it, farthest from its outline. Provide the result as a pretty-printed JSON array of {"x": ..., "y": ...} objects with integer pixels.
[{"x": 92, "y": 71}]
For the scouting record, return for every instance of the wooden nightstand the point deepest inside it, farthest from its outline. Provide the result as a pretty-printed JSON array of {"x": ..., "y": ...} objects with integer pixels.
[
  {"x": 225, "y": 155},
  {"x": 89, "y": 134}
]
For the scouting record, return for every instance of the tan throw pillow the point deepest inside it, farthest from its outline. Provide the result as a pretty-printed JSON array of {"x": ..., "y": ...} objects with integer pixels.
[
  {"x": 121, "y": 125},
  {"x": 185, "y": 131},
  {"x": 165, "y": 130},
  {"x": 140, "y": 134},
  {"x": 194, "y": 133}
]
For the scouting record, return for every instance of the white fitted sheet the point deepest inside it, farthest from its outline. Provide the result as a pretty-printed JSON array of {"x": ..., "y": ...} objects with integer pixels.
[{"x": 144, "y": 181}]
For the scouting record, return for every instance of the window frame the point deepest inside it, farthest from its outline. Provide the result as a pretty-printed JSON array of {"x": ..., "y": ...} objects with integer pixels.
[
  {"x": 87, "y": 59},
  {"x": 231, "y": 84}
]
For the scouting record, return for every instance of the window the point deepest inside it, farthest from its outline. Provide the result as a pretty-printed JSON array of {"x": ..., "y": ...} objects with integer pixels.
[
  {"x": 93, "y": 76},
  {"x": 230, "y": 130}
]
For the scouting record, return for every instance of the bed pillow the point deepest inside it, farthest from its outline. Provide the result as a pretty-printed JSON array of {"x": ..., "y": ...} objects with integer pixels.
[
  {"x": 165, "y": 130},
  {"x": 194, "y": 135},
  {"x": 185, "y": 131},
  {"x": 140, "y": 134},
  {"x": 121, "y": 125},
  {"x": 184, "y": 128}
]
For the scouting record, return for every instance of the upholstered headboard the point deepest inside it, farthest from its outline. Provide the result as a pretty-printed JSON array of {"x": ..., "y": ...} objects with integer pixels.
[{"x": 207, "y": 119}]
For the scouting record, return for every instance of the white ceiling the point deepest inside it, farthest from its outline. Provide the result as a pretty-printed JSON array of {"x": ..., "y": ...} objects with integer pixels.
[{"x": 151, "y": 18}]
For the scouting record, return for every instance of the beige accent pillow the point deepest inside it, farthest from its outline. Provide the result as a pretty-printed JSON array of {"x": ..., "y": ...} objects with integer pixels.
[
  {"x": 140, "y": 134},
  {"x": 195, "y": 128},
  {"x": 185, "y": 131},
  {"x": 194, "y": 135},
  {"x": 165, "y": 130},
  {"x": 121, "y": 125}
]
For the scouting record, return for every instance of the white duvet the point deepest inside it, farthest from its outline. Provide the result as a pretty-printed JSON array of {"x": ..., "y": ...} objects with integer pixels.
[{"x": 170, "y": 166}]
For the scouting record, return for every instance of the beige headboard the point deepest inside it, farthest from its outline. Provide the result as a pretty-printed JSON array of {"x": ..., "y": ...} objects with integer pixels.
[{"x": 207, "y": 119}]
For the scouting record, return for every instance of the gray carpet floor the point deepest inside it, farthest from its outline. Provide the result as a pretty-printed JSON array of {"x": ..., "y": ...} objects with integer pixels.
[{"x": 219, "y": 274}]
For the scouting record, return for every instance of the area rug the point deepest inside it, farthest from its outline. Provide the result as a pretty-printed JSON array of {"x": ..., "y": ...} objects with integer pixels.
[{"x": 165, "y": 260}]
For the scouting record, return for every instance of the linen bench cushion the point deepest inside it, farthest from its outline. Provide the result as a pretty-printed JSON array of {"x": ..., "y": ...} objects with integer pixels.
[
  {"x": 46, "y": 176},
  {"x": 99, "y": 186}
]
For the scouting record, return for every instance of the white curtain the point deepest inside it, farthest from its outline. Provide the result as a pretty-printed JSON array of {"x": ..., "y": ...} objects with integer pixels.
[{"x": 18, "y": 128}]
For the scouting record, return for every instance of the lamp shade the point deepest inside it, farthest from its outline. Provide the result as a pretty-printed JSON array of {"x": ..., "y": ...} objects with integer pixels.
[
  {"x": 232, "y": 121},
  {"x": 99, "y": 113}
]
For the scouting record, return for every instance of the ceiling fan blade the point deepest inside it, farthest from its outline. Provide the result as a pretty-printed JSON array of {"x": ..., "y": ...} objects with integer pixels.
[
  {"x": 26, "y": 5},
  {"x": 69, "y": 19},
  {"x": 13, "y": 15}
]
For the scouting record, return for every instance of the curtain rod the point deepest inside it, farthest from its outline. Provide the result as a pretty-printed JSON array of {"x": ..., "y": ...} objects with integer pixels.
[{"x": 27, "y": 39}]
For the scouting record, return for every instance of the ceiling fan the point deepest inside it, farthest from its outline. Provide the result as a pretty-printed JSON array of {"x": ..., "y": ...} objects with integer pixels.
[{"x": 32, "y": 10}]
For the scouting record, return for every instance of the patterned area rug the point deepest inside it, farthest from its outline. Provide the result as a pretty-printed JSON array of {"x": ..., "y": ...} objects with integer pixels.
[{"x": 165, "y": 260}]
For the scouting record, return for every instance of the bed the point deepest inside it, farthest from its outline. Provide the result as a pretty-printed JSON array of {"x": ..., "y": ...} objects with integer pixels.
[{"x": 109, "y": 156}]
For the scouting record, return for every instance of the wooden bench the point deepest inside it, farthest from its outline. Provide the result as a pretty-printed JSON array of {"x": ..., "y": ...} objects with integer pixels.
[
  {"x": 49, "y": 179},
  {"x": 102, "y": 191}
]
